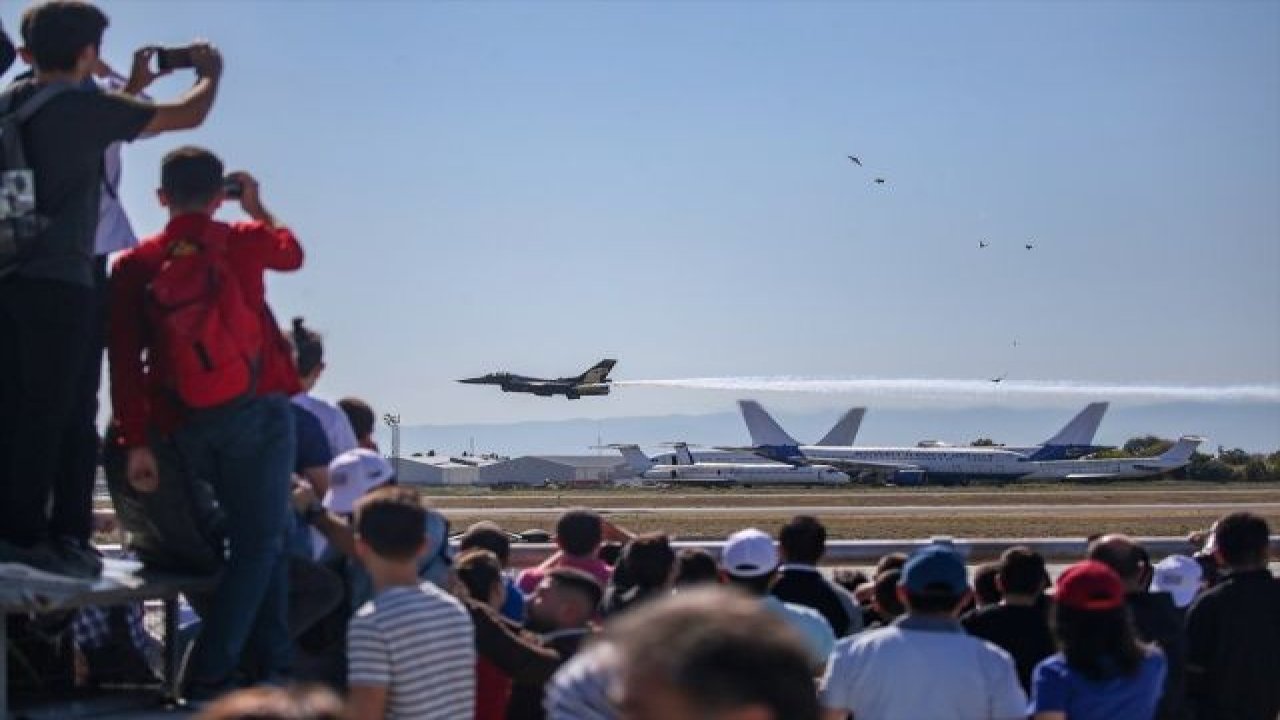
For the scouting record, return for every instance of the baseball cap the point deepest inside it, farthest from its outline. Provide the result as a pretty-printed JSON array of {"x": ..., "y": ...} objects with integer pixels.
[
  {"x": 1090, "y": 585},
  {"x": 351, "y": 475},
  {"x": 749, "y": 553},
  {"x": 1179, "y": 576},
  {"x": 934, "y": 567}
]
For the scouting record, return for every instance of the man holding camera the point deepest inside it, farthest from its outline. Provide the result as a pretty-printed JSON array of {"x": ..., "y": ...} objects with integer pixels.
[
  {"x": 47, "y": 297},
  {"x": 194, "y": 358}
]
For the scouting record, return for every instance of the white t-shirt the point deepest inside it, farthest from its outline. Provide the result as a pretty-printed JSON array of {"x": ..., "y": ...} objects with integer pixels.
[
  {"x": 419, "y": 644},
  {"x": 922, "y": 668},
  {"x": 337, "y": 428},
  {"x": 115, "y": 232}
]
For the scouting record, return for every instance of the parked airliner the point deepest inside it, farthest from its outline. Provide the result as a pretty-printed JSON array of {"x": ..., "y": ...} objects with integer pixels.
[{"x": 687, "y": 471}]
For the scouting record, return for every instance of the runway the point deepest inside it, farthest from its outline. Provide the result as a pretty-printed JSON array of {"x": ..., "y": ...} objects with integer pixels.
[{"x": 1039, "y": 510}]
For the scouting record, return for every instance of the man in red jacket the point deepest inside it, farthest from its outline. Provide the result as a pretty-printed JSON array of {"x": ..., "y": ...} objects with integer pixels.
[{"x": 244, "y": 447}]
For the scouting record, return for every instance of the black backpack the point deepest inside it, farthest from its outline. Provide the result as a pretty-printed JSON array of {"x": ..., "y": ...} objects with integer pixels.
[{"x": 20, "y": 224}]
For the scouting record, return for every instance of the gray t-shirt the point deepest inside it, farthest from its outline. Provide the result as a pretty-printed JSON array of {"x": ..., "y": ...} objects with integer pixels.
[
  {"x": 922, "y": 668},
  {"x": 64, "y": 143}
]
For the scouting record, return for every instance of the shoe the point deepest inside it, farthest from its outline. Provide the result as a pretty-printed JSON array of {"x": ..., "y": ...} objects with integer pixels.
[{"x": 79, "y": 559}]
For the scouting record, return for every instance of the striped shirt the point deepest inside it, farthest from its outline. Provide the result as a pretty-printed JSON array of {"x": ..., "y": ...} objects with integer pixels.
[{"x": 417, "y": 643}]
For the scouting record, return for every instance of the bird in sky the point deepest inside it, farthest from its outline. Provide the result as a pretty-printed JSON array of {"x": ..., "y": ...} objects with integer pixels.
[
  {"x": 854, "y": 159},
  {"x": 878, "y": 181}
]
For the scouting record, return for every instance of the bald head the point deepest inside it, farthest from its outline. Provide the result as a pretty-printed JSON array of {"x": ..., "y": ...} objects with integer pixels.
[{"x": 1124, "y": 555}]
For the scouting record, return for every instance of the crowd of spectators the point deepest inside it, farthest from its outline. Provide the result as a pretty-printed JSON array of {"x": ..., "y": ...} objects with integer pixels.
[{"x": 338, "y": 594}]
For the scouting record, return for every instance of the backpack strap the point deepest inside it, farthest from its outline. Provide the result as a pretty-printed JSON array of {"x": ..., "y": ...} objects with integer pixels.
[{"x": 33, "y": 104}]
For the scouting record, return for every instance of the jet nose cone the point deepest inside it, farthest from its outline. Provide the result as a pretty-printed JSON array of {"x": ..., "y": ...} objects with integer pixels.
[{"x": 474, "y": 381}]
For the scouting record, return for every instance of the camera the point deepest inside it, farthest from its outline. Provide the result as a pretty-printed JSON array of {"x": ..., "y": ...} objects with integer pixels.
[
  {"x": 232, "y": 188},
  {"x": 174, "y": 58}
]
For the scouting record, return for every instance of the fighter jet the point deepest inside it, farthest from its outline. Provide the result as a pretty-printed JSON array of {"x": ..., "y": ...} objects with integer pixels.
[
  {"x": 854, "y": 159},
  {"x": 878, "y": 181},
  {"x": 999, "y": 378},
  {"x": 592, "y": 382},
  {"x": 1029, "y": 246},
  {"x": 982, "y": 244}
]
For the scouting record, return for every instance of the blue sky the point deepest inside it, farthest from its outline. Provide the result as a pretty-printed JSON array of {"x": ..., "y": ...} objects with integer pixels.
[{"x": 533, "y": 186}]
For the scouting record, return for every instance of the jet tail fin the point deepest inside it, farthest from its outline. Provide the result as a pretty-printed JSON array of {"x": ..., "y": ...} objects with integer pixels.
[
  {"x": 845, "y": 431},
  {"x": 598, "y": 373},
  {"x": 635, "y": 457},
  {"x": 1082, "y": 428},
  {"x": 1181, "y": 450},
  {"x": 763, "y": 428}
]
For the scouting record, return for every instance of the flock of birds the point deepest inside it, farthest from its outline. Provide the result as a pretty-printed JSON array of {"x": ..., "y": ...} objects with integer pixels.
[{"x": 982, "y": 244}]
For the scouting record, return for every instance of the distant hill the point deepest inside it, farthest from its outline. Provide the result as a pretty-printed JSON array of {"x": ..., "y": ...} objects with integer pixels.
[{"x": 1254, "y": 427}]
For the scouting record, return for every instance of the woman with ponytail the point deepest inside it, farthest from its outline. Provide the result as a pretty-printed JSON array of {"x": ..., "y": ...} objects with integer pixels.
[{"x": 308, "y": 355}]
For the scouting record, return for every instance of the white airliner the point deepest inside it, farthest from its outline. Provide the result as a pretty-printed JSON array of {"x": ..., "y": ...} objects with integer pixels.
[
  {"x": 913, "y": 465},
  {"x": 843, "y": 434},
  {"x": 687, "y": 471}
]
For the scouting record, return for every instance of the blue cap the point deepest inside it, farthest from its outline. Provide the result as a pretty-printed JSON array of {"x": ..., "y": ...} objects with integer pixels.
[{"x": 935, "y": 568}]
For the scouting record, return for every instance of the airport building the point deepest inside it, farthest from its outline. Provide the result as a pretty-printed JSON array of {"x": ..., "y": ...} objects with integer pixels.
[{"x": 529, "y": 470}]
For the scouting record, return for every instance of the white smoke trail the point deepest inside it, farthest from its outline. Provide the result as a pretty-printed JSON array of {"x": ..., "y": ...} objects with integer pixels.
[{"x": 941, "y": 388}]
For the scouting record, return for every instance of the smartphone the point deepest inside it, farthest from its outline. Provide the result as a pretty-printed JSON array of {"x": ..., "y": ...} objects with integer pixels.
[
  {"x": 232, "y": 188},
  {"x": 174, "y": 58}
]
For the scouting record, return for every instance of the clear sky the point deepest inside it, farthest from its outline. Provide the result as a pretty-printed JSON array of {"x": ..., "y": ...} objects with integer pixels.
[{"x": 533, "y": 186}]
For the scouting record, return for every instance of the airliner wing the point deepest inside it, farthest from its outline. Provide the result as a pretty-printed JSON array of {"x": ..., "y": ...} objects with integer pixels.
[{"x": 1090, "y": 476}]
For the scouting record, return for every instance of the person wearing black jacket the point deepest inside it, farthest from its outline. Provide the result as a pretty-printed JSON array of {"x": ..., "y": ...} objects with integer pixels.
[
  {"x": 1233, "y": 630},
  {"x": 802, "y": 543},
  {"x": 1018, "y": 624},
  {"x": 1155, "y": 616}
]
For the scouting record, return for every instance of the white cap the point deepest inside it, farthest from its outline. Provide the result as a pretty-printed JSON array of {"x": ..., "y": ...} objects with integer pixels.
[
  {"x": 351, "y": 475},
  {"x": 1179, "y": 576},
  {"x": 749, "y": 553}
]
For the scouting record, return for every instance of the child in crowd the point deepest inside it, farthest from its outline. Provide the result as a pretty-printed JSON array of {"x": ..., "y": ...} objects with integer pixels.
[{"x": 410, "y": 648}]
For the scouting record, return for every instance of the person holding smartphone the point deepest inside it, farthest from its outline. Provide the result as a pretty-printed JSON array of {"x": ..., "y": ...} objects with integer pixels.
[{"x": 48, "y": 293}]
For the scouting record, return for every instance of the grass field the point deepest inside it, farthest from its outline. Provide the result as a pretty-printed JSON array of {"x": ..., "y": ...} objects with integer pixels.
[{"x": 768, "y": 509}]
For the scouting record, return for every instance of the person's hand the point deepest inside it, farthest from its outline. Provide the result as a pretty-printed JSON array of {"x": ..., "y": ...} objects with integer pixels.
[
  {"x": 250, "y": 196},
  {"x": 206, "y": 59},
  {"x": 141, "y": 74},
  {"x": 142, "y": 472},
  {"x": 304, "y": 496}
]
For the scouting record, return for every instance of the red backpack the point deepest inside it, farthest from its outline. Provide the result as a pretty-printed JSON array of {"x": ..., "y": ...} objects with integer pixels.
[{"x": 210, "y": 340}]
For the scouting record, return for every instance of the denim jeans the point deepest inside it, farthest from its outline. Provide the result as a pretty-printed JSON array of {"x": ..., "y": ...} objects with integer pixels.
[{"x": 246, "y": 452}]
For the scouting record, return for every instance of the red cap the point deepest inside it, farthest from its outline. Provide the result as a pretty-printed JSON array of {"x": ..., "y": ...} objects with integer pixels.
[{"x": 1090, "y": 585}]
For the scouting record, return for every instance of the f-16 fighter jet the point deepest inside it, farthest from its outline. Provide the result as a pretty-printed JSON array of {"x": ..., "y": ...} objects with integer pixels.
[{"x": 592, "y": 382}]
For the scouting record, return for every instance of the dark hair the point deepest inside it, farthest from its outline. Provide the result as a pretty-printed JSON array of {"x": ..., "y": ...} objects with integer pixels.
[
  {"x": 696, "y": 566},
  {"x": 308, "y": 348},
  {"x": 719, "y": 651},
  {"x": 1121, "y": 554},
  {"x": 191, "y": 176},
  {"x": 57, "y": 31},
  {"x": 803, "y": 540},
  {"x": 648, "y": 559},
  {"x": 1099, "y": 644},
  {"x": 479, "y": 570},
  {"x": 577, "y": 581},
  {"x": 984, "y": 583},
  {"x": 393, "y": 521},
  {"x": 892, "y": 561},
  {"x": 487, "y": 536},
  {"x": 932, "y": 603},
  {"x": 1244, "y": 539},
  {"x": 850, "y": 580},
  {"x": 579, "y": 531},
  {"x": 304, "y": 702},
  {"x": 1022, "y": 571},
  {"x": 360, "y": 415},
  {"x": 885, "y": 593}
]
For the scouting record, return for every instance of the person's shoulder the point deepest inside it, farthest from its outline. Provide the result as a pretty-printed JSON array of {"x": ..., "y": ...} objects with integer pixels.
[
  {"x": 1055, "y": 665},
  {"x": 438, "y": 598},
  {"x": 868, "y": 640}
]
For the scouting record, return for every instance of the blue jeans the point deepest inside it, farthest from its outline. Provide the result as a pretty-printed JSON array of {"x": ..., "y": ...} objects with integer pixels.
[{"x": 246, "y": 452}]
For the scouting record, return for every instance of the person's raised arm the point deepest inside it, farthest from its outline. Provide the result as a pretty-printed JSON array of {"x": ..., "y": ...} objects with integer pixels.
[
  {"x": 338, "y": 533},
  {"x": 193, "y": 107}
]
